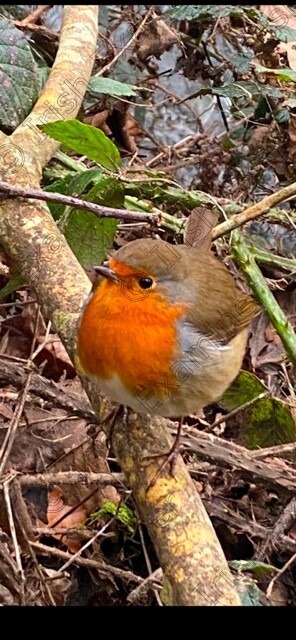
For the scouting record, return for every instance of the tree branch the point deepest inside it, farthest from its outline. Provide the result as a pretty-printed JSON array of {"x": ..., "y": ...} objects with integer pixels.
[
  {"x": 98, "y": 210},
  {"x": 247, "y": 263},
  {"x": 254, "y": 211}
]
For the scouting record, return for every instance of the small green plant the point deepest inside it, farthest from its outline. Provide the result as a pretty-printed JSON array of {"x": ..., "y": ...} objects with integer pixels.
[{"x": 122, "y": 513}]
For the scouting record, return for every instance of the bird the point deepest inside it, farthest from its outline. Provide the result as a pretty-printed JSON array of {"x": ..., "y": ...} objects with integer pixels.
[{"x": 165, "y": 331}]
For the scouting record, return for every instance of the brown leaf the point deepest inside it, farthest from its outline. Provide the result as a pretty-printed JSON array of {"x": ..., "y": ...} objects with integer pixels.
[
  {"x": 198, "y": 228},
  {"x": 130, "y": 131},
  {"x": 17, "y": 334},
  {"x": 43, "y": 435},
  {"x": 156, "y": 38},
  {"x": 91, "y": 456},
  {"x": 60, "y": 585},
  {"x": 292, "y": 136},
  {"x": 99, "y": 120},
  {"x": 265, "y": 349},
  {"x": 56, "y": 510},
  {"x": 282, "y": 16}
]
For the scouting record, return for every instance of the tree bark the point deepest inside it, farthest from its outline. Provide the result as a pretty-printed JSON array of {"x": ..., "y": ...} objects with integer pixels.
[{"x": 194, "y": 566}]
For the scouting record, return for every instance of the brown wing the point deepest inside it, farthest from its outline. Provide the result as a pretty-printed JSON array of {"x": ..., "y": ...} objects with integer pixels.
[{"x": 221, "y": 309}]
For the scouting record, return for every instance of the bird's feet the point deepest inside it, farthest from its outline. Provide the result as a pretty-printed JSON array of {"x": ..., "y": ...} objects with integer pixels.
[{"x": 120, "y": 412}]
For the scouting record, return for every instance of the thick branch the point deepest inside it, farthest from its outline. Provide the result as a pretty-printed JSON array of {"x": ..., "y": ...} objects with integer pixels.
[{"x": 63, "y": 93}]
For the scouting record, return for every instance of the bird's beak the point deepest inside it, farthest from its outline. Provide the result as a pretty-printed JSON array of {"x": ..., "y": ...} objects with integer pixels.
[{"x": 106, "y": 272}]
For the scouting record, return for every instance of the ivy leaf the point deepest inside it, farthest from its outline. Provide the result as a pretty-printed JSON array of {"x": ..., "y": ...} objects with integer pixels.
[
  {"x": 86, "y": 140},
  {"x": 285, "y": 75},
  {"x": 200, "y": 11},
  {"x": 19, "y": 77},
  {"x": 110, "y": 87},
  {"x": 240, "y": 58}
]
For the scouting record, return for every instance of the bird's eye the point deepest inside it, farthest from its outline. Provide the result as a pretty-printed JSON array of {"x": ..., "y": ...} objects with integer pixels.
[{"x": 145, "y": 283}]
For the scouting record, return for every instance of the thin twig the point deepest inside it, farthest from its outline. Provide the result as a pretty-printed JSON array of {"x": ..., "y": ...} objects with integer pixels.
[
  {"x": 98, "y": 210},
  {"x": 12, "y": 429},
  {"x": 102, "y": 567},
  {"x": 235, "y": 411},
  {"x": 281, "y": 526},
  {"x": 84, "y": 547},
  {"x": 11, "y": 373},
  {"x": 127, "y": 45},
  {"x": 32, "y": 553},
  {"x": 137, "y": 593},
  {"x": 279, "y": 574},
  {"x": 13, "y": 535},
  {"x": 278, "y": 450},
  {"x": 148, "y": 563},
  {"x": 34, "y": 15},
  {"x": 79, "y": 531},
  {"x": 71, "y": 477}
]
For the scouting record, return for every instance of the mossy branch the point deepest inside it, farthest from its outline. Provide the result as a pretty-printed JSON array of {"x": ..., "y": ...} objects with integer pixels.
[{"x": 247, "y": 263}]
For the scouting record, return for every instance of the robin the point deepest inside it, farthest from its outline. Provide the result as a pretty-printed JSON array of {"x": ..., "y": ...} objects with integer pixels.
[{"x": 166, "y": 329}]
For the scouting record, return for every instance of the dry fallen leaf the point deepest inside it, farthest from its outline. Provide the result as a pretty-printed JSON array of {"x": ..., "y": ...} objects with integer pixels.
[
  {"x": 292, "y": 136},
  {"x": 56, "y": 510},
  {"x": 156, "y": 38},
  {"x": 98, "y": 120},
  {"x": 284, "y": 17}
]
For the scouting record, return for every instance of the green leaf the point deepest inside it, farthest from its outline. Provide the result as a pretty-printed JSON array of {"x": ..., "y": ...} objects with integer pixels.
[
  {"x": 123, "y": 514},
  {"x": 16, "y": 282},
  {"x": 282, "y": 116},
  {"x": 85, "y": 140},
  {"x": 284, "y": 34},
  {"x": 247, "y": 89},
  {"x": 81, "y": 181},
  {"x": 250, "y": 595},
  {"x": 111, "y": 87},
  {"x": 89, "y": 237},
  {"x": 19, "y": 77},
  {"x": 285, "y": 75},
  {"x": 200, "y": 11},
  {"x": 59, "y": 186},
  {"x": 240, "y": 58},
  {"x": 13, "y": 11},
  {"x": 269, "y": 423},
  {"x": 228, "y": 143},
  {"x": 256, "y": 566},
  {"x": 107, "y": 191},
  {"x": 76, "y": 186}
]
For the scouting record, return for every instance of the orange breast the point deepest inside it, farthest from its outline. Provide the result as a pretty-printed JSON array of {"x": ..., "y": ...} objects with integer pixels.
[{"x": 137, "y": 340}]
